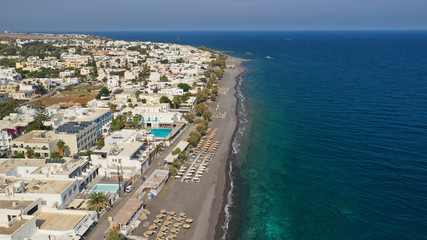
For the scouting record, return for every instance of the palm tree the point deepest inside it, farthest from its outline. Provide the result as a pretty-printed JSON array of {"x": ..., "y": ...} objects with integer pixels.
[
  {"x": 61, "y": 147},
  {"x": 113, "y": 107},
  {"x": 97, "y": 202}
]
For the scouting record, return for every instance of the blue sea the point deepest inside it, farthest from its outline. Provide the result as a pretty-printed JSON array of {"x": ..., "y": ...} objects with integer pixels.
[{"x": 332, "y": 140}]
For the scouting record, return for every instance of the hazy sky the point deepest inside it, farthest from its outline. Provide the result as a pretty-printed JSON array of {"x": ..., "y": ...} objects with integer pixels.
[{"x": 105, "y": 15}]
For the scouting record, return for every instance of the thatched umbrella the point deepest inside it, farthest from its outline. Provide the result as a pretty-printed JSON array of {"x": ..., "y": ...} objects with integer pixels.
[{"x": 188, "y": 220}]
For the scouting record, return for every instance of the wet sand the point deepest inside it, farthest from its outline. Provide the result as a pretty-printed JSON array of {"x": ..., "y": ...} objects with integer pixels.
[{"x": 204, "y": 202}]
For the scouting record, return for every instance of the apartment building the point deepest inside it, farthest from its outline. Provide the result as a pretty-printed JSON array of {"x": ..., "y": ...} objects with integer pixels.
[{"x": 78, "y": 136}]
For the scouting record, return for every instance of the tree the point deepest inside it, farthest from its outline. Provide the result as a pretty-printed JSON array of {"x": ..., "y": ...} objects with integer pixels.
[
  {"x": 60, "y": 145},
  {"x": 184, "y": 86},
  {"x": 30, "y": 153},
  {"x": 113, "y": 107},
  {"x": 19, "y": 155},
  {"x": 165, "y": 99},
  {"x": 100, "y": 143},
  {"x": 55, "y": 155},
  {"x": 164, "y": 61},
  {"x": 7, "y": 107},
  {"x": 207, "y": 115},
  {"x": 201, "y": 128},
  {"x": 194, "y": 137},
  {"x": 97, "y": 202},
  {"x": 182, "y": 156},
  {"x": 176, "y": 101},
  {"x": 103, "y": 91},
  {"x": 137, "y": 94},
  {"x": 41, "y": 115},
  {"x": 201, "y": 96},
  {"x": 115, "y": 235},
  {"x": 40, "y": 89},
  {"x": 200, "y": 108},
  {"x": 173, "y": 171},
  {"x": 176, "y": 151},
  {"x": 176, "y": 162},
  {"x": 189, "y": 117}
]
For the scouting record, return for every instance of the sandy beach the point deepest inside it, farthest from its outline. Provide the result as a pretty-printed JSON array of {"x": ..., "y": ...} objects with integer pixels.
[{"x": 204, "y": 202}]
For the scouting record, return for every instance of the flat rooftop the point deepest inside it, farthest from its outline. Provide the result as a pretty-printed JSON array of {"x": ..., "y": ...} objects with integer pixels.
[
  {"x": 15, "y": 226},
  {"x": 35, "y": 136},
  {"x": 127, "y": 211},
  {"x": 73, "y": 127},
  {"x": 128, "y": 149},
  {"x": 43, "y": 186},
  {"x": 64, "y": 166},
  {"x": 94, "y": 115},
  {"x": 8, "y": 204},
  {"x": 58, "y": 221},
  {"x": 7, "y": 165}
]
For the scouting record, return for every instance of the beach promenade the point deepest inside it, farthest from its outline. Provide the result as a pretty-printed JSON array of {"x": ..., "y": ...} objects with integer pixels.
[{"x": 203, "y": 201}]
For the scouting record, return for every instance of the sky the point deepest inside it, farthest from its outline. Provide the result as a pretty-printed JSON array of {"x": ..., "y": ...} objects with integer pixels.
[{"x": 140, "y": 15}]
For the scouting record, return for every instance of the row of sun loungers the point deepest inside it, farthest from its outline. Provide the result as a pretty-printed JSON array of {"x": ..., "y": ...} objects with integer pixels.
[{"x": 200, "y": 158}]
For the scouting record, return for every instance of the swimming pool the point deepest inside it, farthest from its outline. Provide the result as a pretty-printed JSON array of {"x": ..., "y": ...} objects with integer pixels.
[
  {"x": 105, "y": 188},
  {"x": 161, "y": 132}
]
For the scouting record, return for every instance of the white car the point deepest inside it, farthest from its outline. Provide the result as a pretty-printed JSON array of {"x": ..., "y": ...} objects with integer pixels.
[{"x": 129, "y": 188}]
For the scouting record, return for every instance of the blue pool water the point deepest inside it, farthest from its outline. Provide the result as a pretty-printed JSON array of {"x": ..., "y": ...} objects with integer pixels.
[
  {"x": 105, "y": 188},
  {"x": 161, "y": 132}
]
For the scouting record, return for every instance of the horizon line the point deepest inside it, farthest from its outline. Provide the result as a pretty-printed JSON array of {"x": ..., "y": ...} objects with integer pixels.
[{"x": 225, "y": 30}]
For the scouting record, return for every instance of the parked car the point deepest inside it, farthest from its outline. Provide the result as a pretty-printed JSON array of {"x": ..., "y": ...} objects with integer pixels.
[{"x": 129, "y": 188}]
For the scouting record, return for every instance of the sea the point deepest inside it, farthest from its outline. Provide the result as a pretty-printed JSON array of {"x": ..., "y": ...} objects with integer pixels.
[{"x": 332, "y": 137}]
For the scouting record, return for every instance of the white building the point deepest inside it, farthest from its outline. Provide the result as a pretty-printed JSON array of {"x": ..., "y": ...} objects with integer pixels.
[
  {"x": 128, "y": 135},
  {"x": 102, "y": 118},
  {"x": 56, "y": 193},
  {"x": 78, "y": 136},
  {"x": 127, "y": 159},
  {"x": 23, "y": 218},
  {"x": 9, "y": 73}
]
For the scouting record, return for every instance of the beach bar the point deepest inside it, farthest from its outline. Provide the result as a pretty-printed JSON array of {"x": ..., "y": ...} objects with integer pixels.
[{"x": 127, "y": 218}]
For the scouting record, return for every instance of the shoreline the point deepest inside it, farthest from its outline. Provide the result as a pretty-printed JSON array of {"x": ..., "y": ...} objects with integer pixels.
[
  {"x": 219, "y": 230},
  {"x": 218, "y": 215}
]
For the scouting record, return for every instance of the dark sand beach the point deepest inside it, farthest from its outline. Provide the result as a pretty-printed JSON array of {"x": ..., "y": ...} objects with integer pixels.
[{"x": 204, "y": 202}]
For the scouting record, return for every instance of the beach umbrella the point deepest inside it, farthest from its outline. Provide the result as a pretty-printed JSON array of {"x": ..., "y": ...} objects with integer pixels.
[
  {"x": 188, "y": 220},
  {"x": 177, "y": 225},
  {"x": 172, "y": 213},
  {"x": 186, "y": 226},
  {"x": 159, "y": 216},
  {"x": 171, "y": 236},
  {"x": 182, "y": 214},
  {"x": 164, "y": 228},
  {"x": 174, "y": 230},
  {"x": 152, "y": 227},
  {"x": 161, "y": 234},
  {"x": 163, "y": 211},
  {"x": 157, "y": 221},
  {"x": 149, "y": 232}
]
